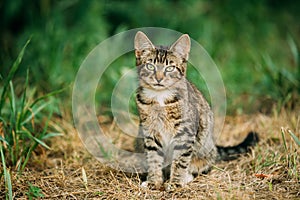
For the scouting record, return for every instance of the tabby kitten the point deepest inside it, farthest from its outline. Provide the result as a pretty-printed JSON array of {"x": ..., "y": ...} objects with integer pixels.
[{"x": 176, "y": 122}]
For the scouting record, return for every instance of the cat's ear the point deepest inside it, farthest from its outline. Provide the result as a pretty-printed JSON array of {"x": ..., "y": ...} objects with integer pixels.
[
  {"x": 182, "y": 46},
  {"x": 142, "y": 42}
]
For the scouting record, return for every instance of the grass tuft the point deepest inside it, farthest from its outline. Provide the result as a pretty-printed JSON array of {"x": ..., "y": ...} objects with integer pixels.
[
  {"x": 277, "y": 158},
  {"x": 34, "y": 192},
  {"x": 282, "y": 83},
  {"x": 22, "y": 123}
]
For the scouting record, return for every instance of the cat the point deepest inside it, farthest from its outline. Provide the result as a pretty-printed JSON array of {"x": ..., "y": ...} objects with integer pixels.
[{"x": 176, "y": 122}]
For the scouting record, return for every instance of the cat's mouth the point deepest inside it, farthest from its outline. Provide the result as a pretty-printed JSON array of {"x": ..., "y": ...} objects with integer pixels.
[{"x": 159, "y": 85}]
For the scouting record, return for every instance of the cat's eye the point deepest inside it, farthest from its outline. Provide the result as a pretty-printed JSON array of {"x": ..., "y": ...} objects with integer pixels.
[
  {"x": 170, "y": 69},
  {"x": 150, "y": 67}
]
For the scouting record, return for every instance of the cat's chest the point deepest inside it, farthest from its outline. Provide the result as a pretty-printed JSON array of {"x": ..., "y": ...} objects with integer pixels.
[
  {"x": 160, "y": 117},
  {"x": 158, "y": 96},
  {"x": 158, "y": 123},
  {"x": 160, "y": 108}
]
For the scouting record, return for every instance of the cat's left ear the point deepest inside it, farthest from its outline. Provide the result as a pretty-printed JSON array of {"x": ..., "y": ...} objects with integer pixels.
[{"x": 182, "y": 46}]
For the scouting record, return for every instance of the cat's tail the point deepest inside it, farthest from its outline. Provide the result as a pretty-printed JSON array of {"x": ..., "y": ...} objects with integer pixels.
[{"x": 233, "y": 152}]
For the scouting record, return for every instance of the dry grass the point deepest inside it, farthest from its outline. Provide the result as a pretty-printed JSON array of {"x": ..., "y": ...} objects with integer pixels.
[{"x": 269, "y": 172}]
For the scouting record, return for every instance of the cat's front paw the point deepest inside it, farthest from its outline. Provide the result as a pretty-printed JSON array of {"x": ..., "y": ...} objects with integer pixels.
[
  {"x": 174, "y": 183},
  {"x": 158, "y": 185},
  {"x": 144, "y": 184},
  {"x": 171, "y": 186},
  {"x": 188, "y": 178}
]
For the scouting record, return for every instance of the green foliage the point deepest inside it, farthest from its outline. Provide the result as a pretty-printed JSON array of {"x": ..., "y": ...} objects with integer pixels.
[
  {"x": 62, "y": 35},
  {"x": 282, "y": 83},
  {"x": 34, "y": 192},
  {"x": 235, "y": 33},
  {"x": 22, "y": 126}
]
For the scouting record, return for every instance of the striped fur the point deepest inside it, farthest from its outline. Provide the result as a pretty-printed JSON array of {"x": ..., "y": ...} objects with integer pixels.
[{"x": 176, "y": 122}]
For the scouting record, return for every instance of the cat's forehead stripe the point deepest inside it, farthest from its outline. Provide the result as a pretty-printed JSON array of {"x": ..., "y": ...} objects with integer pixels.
[{"x": 161, "y": 54}]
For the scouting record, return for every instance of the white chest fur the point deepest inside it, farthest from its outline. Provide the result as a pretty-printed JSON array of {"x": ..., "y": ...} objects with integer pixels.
[
  {"x": 159, "y": 114},
  {"x": 159, "y": 95}
]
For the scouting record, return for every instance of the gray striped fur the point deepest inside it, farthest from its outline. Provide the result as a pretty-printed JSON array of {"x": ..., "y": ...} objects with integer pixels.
[{"x": 176, "y": 122}]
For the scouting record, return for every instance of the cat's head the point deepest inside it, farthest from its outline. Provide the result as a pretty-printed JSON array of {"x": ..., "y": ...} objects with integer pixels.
[{"x": 159, "y": 67}]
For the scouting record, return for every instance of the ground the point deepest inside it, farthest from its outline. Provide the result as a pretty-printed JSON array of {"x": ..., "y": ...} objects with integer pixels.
[{"x": 269, "y": 171}]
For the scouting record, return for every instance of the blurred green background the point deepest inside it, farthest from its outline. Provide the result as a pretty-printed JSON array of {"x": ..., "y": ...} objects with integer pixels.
[{"x": 254, "y": 43}]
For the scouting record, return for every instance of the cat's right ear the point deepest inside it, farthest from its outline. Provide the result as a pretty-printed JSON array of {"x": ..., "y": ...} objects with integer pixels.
[{"x": 141, "y": 44}]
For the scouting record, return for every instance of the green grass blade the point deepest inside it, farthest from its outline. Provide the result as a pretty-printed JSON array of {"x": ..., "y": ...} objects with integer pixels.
[
  {"x": 34, "y": 113},
  {"x": 13, "y": 98},
  {"x": 50, "y": 135},
  {"x": 293, "y": 48},
  {"x": 9, "y": 186},
  {"x": 47, "y": 124},
  {"x": 28, "y": 101},
  {"x": 11, "y": 74},
  {"x": 2, "y": 159},
  {"x": 41, "y": 143},
  {"x": 3, "y": 140},
  {"x": 6, "y": 175},
  {"x": 295, "y": 138},
  {"x": 47, "y": 95},
  {"x": 22, "y": 108},
  {"x": 28, "y": 154},
  {"x": 29, "y": 135},
  {"x": 290, "y": 76},
  {"x": 283, "y": 138},
  {"x": 296, "y": 56},
  {"x": 3, "y": 120},
  {"x": 40, "y": 99}
]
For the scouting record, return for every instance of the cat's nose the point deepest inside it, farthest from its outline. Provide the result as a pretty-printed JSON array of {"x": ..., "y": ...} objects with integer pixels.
[
  {"x": 159, "y": 80},
  {"x": 159, "y": 77}
]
